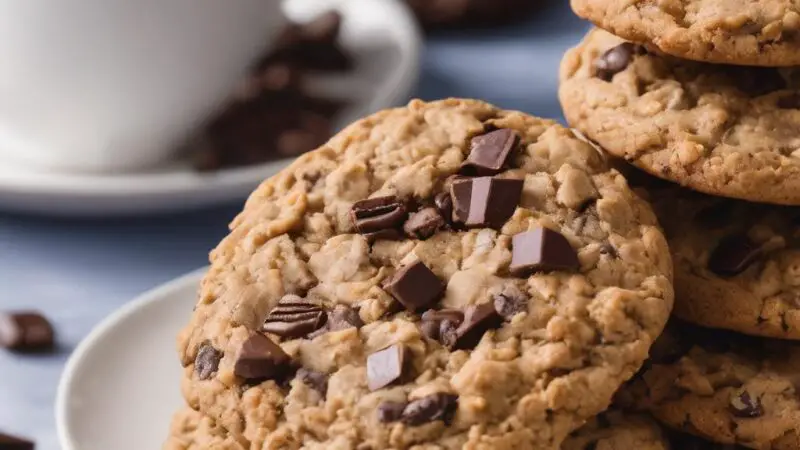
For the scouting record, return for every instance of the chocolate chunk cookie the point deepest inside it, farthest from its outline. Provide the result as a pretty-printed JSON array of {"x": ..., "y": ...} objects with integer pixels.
[
  {"x": 724, "y": 130},
  {"x": 737, "y": 264},
  {"x": 745, "y": 32},
  {"x": 340, "y": 327},
  {"x": 725, "y": 387}
]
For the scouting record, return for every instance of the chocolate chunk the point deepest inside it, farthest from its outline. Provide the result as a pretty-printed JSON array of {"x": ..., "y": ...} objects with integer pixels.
[
  {"x": 509, "y": 304},
  {"x": 316, "y": 380},
  {"x": 377, "y": 214},
  {"x": 477, "y": 320},
  {"x": 733, "y": 256},
  {"x": 791, "y": 101},
  {"x": 441, "y": 325},
  {"x": 261, "y": 359},
  {"x": 340, "y": 318},
  {"x": 541, "y": 249},
  {"x": 386, "y": 366},
  {"x": 615, "y": 60},
  {"x": 8, "y": 442},
  {"x": 26, "y": 332},
  {"x": 424, "y": 224},
  {"x": 489, "y": 152},
  {"x": 485, "y": 201},
  {"x": 294, "y": 317},
  {"x": 746, "y": 407},
  {"x": 207, "y": 361},
  {"x": 444, "y": 203},
  {"x": 391, "y": 411},
  {"x": 431, "y": 408},
  {"x": 415, "y": 286}
]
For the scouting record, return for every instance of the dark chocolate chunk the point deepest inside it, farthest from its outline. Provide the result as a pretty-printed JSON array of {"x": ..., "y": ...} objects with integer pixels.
[
  {"x": 541, "y": 249},
  {"x": 391, "y": 411},
  {"x": 477, "y": 320},
  {"x": 489, "y": 152},
  {"x": 340, "y": 318},
  {"x": 415, "y": 286},
  {"x": 261, "y": 359},
  {"x": 207, "y": 361},
  {"x": 791, "y": 101},
  {"x": 509, "y": 304},
  {"x": 386, "y": 366},
  {"x": 615, "y": 60},
  {"x": 485, "y": 201},
  {"x": 294, "y": 317},
  {"x": 424, "y": 224},
  {"x": 26, "y": 332},
  {"x": 431, "y": 408},
  {"x": 444, "y": 203},
  {"x": 733, "y": 256},
  {"x": 8, "y": 442},
  {"x": 376, "y": 214},
  {"x": 745, "y": 406},
  {"x": 316, "y": 380}
]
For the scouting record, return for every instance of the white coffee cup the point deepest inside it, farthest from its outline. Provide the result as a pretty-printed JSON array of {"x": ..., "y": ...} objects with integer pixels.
[{"x": 108, "y": 85}]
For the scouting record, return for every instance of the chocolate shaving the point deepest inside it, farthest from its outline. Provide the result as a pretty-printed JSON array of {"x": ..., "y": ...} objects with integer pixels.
[
  {"x": 378, "y": 214},
  {"x": 386, "y": 366}
]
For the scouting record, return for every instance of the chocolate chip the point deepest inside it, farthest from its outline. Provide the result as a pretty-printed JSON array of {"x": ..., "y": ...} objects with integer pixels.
[
  {"x": 415, "y": 286},
  {"x": 424, "y": 224},
  {"x": 207, "y": 361},
  {"x": 26, "y": 332},
  {"x": 477, "y": 320},
  {"x": 8, "y": 442},
  {"x": 431, "y": 408},
  {"x": 316, "y": 380},
  {"x": 486, "y": 201},
  {"x": 391, "y": 411},
  {"x": 791, "y": 101},
  {"x": 746, "y": 407},
  {"x": 444, "y": 203},
  {"x": 614, "y": 60},
  {"x": 509, "y": 304},
  {"x": 441, "y": 325},
  {"x": 294, "y": 317},
  {"x": 733, "y": 256},
  {"x": 376, "y": 214},
  {"x": 541, "y": 249},
  {"x": 489, "y": 152},
  {"x": 261, "y": 359},
  {"x": 386, "y": 366}
]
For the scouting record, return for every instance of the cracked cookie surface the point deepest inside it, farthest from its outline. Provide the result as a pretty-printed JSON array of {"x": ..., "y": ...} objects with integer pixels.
[
  {"x": 743, "y": 32},
  {"x": 725, "y": 387},
  {"x": 481, "y": 359},
  {"x": 724, "y": 130}
]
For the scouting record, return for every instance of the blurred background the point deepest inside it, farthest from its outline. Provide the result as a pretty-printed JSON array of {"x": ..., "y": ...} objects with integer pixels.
[{"x": 76, "y": 245}]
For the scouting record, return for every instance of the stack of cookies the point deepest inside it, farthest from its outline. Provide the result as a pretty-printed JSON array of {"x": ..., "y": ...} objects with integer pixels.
[{"x": 702, "y": 98}]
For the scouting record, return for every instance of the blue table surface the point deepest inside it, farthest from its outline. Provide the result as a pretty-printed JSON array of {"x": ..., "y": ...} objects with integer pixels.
[{"x": 79, "y": 271}]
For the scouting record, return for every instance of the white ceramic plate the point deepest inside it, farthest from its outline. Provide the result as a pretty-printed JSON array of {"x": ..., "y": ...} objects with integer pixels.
[
  {"x": 122, "y": 385},
  {"x": 386, "y": 42}
]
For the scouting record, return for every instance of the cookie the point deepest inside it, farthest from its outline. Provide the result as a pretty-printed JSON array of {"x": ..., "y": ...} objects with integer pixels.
[
  {"x": 446, "y": 274},
  {"x": 190, "y": 430},
  {"x": 727, "y": 131},
  {"x": 614, "y": 430},
  {"x": 725, "y": 387},
  {"x": 737, "y": 264},
  {"x": 744, "y": 32},
  {"x": 470, "y": 13}
]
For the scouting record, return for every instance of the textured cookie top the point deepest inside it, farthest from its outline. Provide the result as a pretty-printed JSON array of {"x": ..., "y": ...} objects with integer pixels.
[
  {"x": 722, "y": 130},
  {"x": 726, "y": 387},
  {"x": 190, "y": 430},
  {"x": 614, "y": 430},
  {"x": 744, "y": 32},
  {"x": 409, "y": 307},
  {"x": 737, "y": 264}
]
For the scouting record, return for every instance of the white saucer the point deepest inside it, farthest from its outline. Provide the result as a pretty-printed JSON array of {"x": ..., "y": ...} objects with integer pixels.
[
  {"x": 122, "y": 385},
  {"x": 386, "y": 42}
]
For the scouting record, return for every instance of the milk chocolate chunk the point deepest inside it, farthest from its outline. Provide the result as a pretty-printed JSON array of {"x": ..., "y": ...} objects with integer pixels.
[
  {"x": 378, "y": 214},
  {"x": 733, "y": 256},
  {"x": 26, "y": 332},
  {"x": 441, "y": 325},
  {"x": 207, "y": 361},
  {"x": 431, "y": 408},
  {"x": 294, "y": 317},
  {"x": 485, "y": 201},
  {"x": 477, "y": 320},
  {"x": 261, "y": 359},
  {"x": 489, "y": 152},
  {"x": 8, "y": 442},
  {"x": 541, "y": 249},
  {"x": 424, "y": 223},
  {"x": 415, "y": 286},
  {"x": 386, "y": 366}
]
